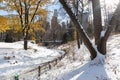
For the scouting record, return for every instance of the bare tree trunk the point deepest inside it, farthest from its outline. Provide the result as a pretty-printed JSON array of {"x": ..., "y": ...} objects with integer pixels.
[
  {"x": 97, "y": 20},
  {"x": 78, "y": 26},
  {"x": 25, "y": 43},
  {"x": 101, "y": 46},
  {"x": 75, "y": 3},
  {"x": 112, "y": 24},
  {"x": 26, "y": 26},
  {"x": 99, "y": 41},
  {"x": 102, "y": 41},
  {"x": 98, "y": 26},
  {"x": 78, "y": 40},
  {"x": 26, "y": 40}
]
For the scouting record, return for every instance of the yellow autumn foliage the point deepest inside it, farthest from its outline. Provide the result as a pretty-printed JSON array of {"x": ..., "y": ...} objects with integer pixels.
[
  {"x": 3, "y": 24},
  {"x": 25, "y": 18},
  {"x": 15, "y": 24}
]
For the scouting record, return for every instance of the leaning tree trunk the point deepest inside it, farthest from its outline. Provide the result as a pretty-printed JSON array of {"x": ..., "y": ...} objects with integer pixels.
[
  {"x": 78, "y": 26},
  {"x": 100, "y": 41}
]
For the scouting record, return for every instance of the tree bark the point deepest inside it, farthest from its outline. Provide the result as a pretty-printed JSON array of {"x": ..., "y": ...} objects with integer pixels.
[
  {"x": 26, "y": 40},
  {"x": 99, "y": 41},
  {"x": 102, "y": 41},
  {"x": 26, "y": 27},
  {"x": 78, "y": 26},
  {"x": 78, "y": 40},
  {"x": 97, "y": 20},
  {"x": 25, "y": 44},
  {"x": 75, "y": 4},
  {"x": 102, "y": 46}
]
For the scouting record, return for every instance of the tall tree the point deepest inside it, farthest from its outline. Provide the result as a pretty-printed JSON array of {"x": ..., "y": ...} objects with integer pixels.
[
  {"x": 86, "y": 40},
  {"x": 97, "y": 22},
  {"x": 27, "y": 12},
  {"x": 80, "y": 29},
  {"x": 101, "y": 35},
  {"x": 75, "y": 4}
]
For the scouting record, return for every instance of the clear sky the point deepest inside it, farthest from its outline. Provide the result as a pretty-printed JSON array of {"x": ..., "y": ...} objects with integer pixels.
[
  {"x": 6, "y": 13},
  {"x": 3, "y": 12}
]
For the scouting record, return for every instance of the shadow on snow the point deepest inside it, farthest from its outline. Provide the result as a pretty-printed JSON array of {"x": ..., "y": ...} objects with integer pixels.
[{"x": 86, "y": 72}]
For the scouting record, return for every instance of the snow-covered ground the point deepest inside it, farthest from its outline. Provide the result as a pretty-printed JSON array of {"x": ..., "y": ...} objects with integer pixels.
[
  {"x": 14, "y": 59},
  {"x": 77, "y": 65}
]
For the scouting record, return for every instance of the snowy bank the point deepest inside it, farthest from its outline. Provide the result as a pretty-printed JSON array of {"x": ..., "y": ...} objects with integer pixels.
[
  {"x": 81, "y": 68},
  {"x": 14, "y": 59}
]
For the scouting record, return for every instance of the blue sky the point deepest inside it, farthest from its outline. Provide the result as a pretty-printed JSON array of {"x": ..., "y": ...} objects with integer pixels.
[
  {"x": 6, "y": 13},
  {"x": 3, "y": 12}
]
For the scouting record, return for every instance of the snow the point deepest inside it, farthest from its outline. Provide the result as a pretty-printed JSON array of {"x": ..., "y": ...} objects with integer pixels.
[
  {"x": 102, "y": 33},
  {"x": 14, "y": 59},
  {"x": 75, "y": 66},
  {"x": 81, "y": 68}
]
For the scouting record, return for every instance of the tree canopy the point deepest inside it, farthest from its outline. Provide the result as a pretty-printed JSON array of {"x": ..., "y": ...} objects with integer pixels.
[
  {"x": 28, "y": 17},
  {"x": 3, "y": 24}
]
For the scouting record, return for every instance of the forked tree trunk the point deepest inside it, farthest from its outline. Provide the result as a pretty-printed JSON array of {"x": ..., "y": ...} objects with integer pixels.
[
  {"x": 99, "y": 41},
  {"x": 78, "y": 26},
  {"x": 102, "y": 41}
]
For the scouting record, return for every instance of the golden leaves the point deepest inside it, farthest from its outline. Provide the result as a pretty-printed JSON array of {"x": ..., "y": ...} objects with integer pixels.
[
  {"x": 42, "y": 12},
  {"x": 26, "y": 11},
  {"x": 37, "y": 26},
  {"x": 3, "y": 24}
]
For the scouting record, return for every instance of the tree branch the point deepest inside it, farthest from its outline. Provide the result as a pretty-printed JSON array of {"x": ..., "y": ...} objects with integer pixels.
[
  {"x": 112, "y": 22},
  {"x": 21, "y": 10},
  {"x": 35, "y": 10},
  {"x": 78, "y": 26}
]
